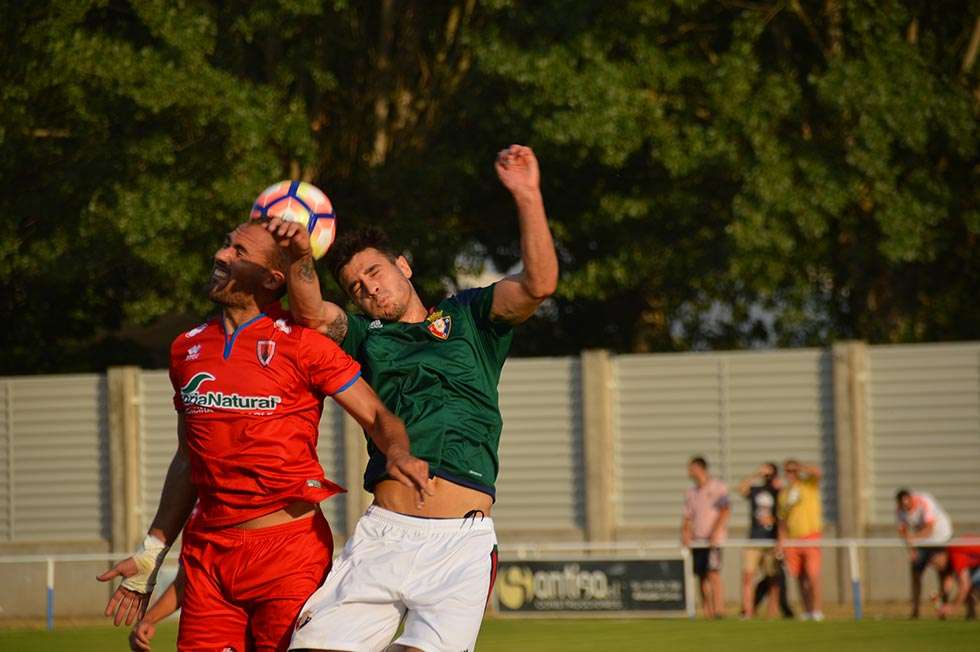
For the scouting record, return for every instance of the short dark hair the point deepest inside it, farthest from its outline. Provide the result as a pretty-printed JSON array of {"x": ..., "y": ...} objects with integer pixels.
[
  {"x": 351, "y": 243},
  {"x": 901, "y": 494},
  {"x": 774, "y": 467},
  {"x": 699, "y": 461}
]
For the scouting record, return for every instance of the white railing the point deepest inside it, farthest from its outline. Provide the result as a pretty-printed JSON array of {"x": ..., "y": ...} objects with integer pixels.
[{"x": 559, "y": 549}]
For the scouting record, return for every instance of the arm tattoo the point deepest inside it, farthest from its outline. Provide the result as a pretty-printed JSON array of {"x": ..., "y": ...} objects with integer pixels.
[
  {"x": 337, "y": 329},
  {"x": 306, "y": 270}
]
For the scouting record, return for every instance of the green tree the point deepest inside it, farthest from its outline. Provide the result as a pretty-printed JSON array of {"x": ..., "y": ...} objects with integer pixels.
[
  {"x": 137, "y": 133},
  {"x": 718, "y": 174},
  {"x": 740, "y": 173}
]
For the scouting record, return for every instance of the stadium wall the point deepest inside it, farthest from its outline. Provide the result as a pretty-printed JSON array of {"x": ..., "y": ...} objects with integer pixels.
[{"x": 594, "y": 448}]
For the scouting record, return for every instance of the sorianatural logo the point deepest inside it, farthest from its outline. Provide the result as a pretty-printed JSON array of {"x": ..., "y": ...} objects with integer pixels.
[{"x": 192, "y": 396}]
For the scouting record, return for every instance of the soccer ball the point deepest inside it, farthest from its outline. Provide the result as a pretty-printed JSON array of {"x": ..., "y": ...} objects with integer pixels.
[{"x": 298, "y": 201}]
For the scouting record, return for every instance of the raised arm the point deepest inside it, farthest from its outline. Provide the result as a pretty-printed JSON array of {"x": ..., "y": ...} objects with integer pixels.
[
  {"x": 516, "y": 297},
  {"x": 746, "y": 484},
  {"x": 139, "y": 571},
  {"x": 303, "y": 285},
  {"x": 388, "y": 433},
  {"x": 811, "y": 470}
]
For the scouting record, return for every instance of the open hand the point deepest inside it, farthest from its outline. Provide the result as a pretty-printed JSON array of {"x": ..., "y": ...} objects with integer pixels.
[
  {"x": 410, "y": 471},
  {"x": 125, "y": 603}
]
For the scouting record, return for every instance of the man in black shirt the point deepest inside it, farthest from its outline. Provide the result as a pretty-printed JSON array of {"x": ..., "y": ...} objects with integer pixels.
[{"x": 761, "y": 489}]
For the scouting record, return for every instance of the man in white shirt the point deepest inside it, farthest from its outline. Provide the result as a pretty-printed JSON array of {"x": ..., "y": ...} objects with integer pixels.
[
  {"x": 706, "y": 512},
  {"x": 926, "y": 528}
]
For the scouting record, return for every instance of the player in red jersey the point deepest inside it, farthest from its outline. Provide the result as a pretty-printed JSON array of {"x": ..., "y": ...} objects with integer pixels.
[
  {"x": 963, "y": 564},
  {"x": 249, "y": 388}
]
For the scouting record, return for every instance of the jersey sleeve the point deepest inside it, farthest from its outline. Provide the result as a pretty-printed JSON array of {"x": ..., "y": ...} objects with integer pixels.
[
  {"x": 357, "y": 327},
  {"x": 330, "y": 370},
  {"x": 723, "y": 500},
  {"x": 496, "y": 335},
  {"x": 928, "y": 511}
]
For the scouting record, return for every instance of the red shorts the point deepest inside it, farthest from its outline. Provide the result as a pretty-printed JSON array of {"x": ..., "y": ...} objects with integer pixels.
[
  {"x": 803, "y": 561},
  {"x": 245, "y": 587}
]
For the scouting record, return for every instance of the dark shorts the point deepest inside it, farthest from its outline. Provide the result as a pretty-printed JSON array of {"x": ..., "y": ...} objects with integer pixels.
[
  {"x": 706, "y": 560},
  {"x": 923, "y": 556}
]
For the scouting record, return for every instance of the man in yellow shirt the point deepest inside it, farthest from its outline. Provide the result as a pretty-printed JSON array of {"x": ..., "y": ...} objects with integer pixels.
[{"x": 801, "y": 518}]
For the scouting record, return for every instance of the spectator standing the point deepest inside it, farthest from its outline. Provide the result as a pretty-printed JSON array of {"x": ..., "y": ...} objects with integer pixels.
[
  {"x": 925, "y": 527},
  {"x": 761, "y": 489},
  {"x": 801, "y": 519},
  {"x": 706, "y": 512}
]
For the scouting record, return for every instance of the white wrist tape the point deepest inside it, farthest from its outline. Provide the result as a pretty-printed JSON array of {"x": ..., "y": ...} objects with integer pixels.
[{"x": 148, "y": 557}]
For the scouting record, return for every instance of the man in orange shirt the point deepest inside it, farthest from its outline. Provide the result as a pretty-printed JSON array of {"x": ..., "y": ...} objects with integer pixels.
[{"x": 801, "y": 518}]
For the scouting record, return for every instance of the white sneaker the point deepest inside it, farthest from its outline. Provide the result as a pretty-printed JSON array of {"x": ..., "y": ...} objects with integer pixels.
[
  {"x": 806, "y": 615},
  {"x": 817, "y": 616}
]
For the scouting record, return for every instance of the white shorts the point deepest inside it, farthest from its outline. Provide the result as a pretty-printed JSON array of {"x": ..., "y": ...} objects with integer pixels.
[{"x": 437, "y": 573}]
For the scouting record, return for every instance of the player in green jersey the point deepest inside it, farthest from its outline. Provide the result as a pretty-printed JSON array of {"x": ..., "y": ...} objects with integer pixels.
[{"x": 438, "y": 370}]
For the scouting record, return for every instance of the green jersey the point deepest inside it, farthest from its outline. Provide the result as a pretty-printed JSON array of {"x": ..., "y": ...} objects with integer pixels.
[{"x": 440, "y": 377}]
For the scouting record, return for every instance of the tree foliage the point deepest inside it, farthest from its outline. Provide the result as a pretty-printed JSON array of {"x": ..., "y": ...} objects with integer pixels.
[{"x": 718, "y": 174}]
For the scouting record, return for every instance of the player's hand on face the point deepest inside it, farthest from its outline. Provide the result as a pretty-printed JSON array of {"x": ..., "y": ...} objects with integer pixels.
[
  {"x": 410, "y": 471},
  {"x": 140, "y": 636},
  {"x": 517, "y": 169},
  {"x": 124, "y": 604},
  {"x": 292, "y": 236}
]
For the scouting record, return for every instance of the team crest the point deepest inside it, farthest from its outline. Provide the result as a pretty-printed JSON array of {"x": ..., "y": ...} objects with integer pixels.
[
  {"x": 439, "y": 325},
  {"x": 265, "y": 349}
]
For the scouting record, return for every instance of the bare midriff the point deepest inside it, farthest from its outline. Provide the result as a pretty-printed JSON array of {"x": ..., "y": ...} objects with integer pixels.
[
  {"x": 291, "y": 512},
  {"x": 450, "y": 500}
]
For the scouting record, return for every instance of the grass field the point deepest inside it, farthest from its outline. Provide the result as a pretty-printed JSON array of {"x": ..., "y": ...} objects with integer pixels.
[{"x": 613, "y": 635}]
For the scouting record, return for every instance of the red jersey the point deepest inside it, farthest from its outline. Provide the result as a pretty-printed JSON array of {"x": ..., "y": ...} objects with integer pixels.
[
  {"x": 252, "y": 401},
  {"x": 961, "y": 557}
]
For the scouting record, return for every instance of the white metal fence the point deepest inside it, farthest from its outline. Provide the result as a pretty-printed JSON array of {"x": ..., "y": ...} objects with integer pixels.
[
  {"x": 559, "y": 551},
  {"x": 920, "y": 427}
]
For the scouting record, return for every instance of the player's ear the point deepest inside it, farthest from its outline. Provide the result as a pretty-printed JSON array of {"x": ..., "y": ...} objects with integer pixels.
[
  {"x": 274, "y": 280},
  {"x": 402, "y": 263}
]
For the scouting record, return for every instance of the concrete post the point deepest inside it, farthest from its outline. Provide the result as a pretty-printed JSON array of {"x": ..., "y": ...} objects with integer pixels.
[
  {"x": 597, "y": 444},
  {"x": 850, "y": 361},
  {"x": 355, "y": 461},
  {"x": 123, "y": 385}
]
